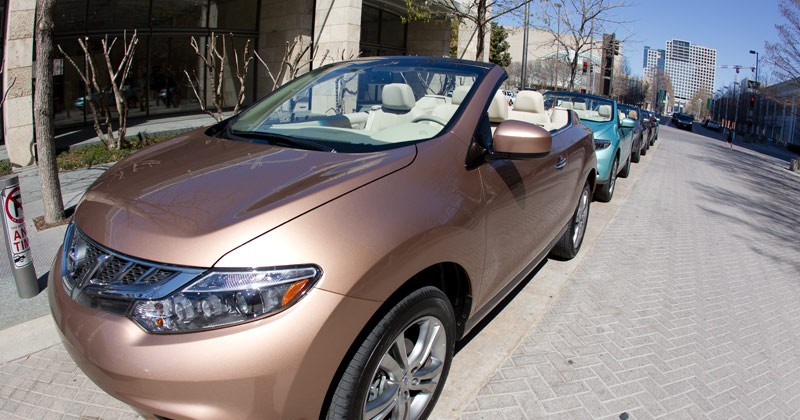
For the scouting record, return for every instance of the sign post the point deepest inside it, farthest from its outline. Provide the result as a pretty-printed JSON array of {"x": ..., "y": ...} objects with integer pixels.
[{"x": 16, "y": 238}]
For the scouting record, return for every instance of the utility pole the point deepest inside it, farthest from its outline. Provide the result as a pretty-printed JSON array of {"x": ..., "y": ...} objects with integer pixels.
[{"x": 558, "y": 47}]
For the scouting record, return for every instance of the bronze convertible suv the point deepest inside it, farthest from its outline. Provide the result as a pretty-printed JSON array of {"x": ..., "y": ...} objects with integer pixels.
[{"x": 319, "y": 254}]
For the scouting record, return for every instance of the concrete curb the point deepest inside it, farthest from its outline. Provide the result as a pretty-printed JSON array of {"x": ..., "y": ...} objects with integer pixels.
[{"x": 28, "y": 338}]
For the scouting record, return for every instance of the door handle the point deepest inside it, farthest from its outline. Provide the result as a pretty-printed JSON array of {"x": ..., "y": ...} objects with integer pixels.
[{"x": 562, "y": 162}]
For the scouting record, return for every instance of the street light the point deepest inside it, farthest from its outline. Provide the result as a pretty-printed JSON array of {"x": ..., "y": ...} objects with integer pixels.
[
  {"x": 558, "y": 34},
  {"x": 755, "y": 112}
]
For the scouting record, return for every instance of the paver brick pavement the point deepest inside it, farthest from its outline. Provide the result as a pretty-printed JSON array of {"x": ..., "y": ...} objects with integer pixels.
[{"x": 687, "y": 306}]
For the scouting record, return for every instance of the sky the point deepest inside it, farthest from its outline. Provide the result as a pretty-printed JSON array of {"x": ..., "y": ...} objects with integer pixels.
[{"x": 732, "y": 27}]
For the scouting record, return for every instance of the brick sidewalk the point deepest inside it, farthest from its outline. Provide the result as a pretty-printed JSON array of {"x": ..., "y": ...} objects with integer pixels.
[{"x": 687, "y": 306}]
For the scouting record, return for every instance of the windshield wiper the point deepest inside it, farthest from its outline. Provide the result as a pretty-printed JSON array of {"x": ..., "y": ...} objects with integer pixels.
[{"x": 281, "y": 140}]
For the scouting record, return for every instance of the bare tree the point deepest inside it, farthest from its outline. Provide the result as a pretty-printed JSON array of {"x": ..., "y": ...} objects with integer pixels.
[
  {"x": 784, "y": 55},
  {"x": 480, "y": 13},
  {"x": 215, "y": 60},
  {"x": 296, "y": 57},
  {"x": 43, "y": 115},
  {"x": 575, "y": 28},
  {"x": 98, "y": 96}
]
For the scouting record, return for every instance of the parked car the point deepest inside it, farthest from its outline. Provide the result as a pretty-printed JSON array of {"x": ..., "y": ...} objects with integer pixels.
[
  {"x": 613, "y": 135},
  {"x": 320, "y": 263},
  {"x": 684, "y": 121},
  {"x": 640, "y": 131},
  {"x": 712, "y": 125},
  {"x": 654, "y": 124},
  {"x": 511, "y": 96}
]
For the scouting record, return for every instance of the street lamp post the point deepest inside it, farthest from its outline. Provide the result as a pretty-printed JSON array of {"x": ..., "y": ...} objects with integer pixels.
[
  {"x": 755, "y": 108},
  {"x": 735, "y": 112}
]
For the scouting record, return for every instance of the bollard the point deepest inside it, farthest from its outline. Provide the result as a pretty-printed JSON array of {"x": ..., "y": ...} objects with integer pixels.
[
  {"x": 16, "y": 238},
  {"x": 794, "y": 165}
]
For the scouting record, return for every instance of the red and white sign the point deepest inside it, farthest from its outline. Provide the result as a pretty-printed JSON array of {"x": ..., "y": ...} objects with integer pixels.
[{"x": 17, "y": 232}]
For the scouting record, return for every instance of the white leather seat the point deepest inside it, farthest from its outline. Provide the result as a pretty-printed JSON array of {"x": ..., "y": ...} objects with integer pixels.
[
  {"x": 397, "y": 100},
  {"x": 446, "y": 111},
  {"x": 529, "y": 107}
]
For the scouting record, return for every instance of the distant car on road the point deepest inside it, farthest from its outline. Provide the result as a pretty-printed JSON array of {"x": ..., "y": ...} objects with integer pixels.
[
  {"x": 712, "y": 125},
  {"x": 654, "y": 123},
  {"x": 684, "y": 121}
]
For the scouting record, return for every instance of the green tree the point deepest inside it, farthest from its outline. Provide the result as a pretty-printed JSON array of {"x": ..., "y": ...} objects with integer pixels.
[{"x": 498, "y": 50}]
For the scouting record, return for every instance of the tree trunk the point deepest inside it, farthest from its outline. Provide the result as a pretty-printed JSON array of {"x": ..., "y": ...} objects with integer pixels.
[
  {"x": 43, "y": 114},
  {"x": 481, "y": 34}
]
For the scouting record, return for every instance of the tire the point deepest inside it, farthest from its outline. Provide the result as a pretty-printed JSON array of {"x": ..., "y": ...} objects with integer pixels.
[
  {"x": 636, "y": 155},
  {"x": 606, "y": 191},
  {"x": 626, "y": 170},
  {"x": 644, "y": 149},
  {"x": 385, "y": 375},
  {"x": 570, "y": 243}
]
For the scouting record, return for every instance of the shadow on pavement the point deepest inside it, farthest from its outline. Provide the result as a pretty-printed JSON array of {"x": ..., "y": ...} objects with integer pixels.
[{"x": 770, "y": 208}]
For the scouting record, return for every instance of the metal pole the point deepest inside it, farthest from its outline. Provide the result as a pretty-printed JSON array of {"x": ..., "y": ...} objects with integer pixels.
[
  {"x": 736, "y": 112},
  {"x": 558, "y": 46},
  {"x": 524, "y": 74},
  {"x": 16, "y": 238}
]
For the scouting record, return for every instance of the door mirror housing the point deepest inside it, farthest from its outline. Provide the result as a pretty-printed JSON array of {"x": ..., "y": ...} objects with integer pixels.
[
  {"x": 627, "y": 123},
  {"x": 520, "y": 140}
]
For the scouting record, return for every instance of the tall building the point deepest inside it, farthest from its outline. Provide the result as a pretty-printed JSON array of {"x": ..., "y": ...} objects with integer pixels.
[
  {"x": 653, "y": 61},
  {"x": 690, "y": 67}
]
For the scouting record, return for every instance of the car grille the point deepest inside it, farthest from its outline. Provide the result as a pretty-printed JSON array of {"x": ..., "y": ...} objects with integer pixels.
[{"x": 89, "y": 264}]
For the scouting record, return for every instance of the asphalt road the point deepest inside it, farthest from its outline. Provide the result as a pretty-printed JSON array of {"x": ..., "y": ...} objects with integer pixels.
[{"x": 682, "y": 304}]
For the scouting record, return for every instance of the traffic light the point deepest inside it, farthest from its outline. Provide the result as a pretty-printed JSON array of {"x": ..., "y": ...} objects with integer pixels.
[
  {"x": 752, "y": 101},
  {"x": 585, "y": 66},
  {"x": 583, "y": 90}
]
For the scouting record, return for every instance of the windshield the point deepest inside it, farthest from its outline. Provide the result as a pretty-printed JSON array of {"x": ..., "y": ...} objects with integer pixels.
[
  {"x": 362, "y": 105},
  {"x": 686, "y": 117},
  {"x": 588, "y": 108}
]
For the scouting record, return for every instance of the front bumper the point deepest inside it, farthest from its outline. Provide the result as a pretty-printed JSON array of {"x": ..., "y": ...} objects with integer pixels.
[{"x": 276, "y": 367}]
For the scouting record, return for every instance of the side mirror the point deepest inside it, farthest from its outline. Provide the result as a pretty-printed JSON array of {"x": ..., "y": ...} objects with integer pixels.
[
  {"x": 627, "y": 123},
  {"x": 519, "y": 140}
]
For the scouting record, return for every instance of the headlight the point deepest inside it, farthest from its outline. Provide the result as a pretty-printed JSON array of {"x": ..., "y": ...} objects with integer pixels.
[
  {"x": 224, "y": 298},
  {"x": 601, "y": 144}
]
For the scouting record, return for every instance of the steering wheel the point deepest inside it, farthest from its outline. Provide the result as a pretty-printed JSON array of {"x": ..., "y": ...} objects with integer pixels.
[{"x": 432, "y": 118}]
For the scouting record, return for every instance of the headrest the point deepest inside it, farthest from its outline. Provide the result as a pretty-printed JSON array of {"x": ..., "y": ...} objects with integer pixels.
[
  {"x": 566, "y": 104},
  {"x": 498, "y": 109},
  {"x": 459, "y": 94},
  {"x": 632, "y": 114},
  {"x": 398, "y": 97},
  {"x": 529, "y": 101},
  {"x": 604, "y": 111},
  {"x": 580, "y": 106}
]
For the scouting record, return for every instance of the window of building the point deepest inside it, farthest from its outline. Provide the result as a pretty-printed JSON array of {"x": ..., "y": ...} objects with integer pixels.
[
  {"x": 157, "y": 83},
  {"x": 382, "y": 32}
]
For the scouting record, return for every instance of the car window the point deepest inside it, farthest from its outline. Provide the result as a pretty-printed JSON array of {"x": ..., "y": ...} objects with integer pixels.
[{"x": 363, "y": 105}]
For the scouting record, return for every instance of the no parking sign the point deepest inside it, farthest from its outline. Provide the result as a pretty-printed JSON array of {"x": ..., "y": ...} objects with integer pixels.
[{"x": 16, "y": 235}]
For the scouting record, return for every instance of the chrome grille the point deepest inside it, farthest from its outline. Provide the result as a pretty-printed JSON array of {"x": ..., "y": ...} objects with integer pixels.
[{"x": 89, "y": 264}]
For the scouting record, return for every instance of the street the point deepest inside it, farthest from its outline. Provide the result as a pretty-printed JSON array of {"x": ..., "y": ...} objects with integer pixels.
[{"x": 682, "y": 304}]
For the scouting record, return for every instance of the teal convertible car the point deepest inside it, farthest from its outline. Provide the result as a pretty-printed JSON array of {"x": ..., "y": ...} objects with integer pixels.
[{"x": 613, "y": 135}]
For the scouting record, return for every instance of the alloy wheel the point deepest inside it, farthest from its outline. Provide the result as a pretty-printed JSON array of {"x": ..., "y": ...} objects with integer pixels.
[
  {"x": 409, "y": 372},
  {"x": 580, "y": 219}
]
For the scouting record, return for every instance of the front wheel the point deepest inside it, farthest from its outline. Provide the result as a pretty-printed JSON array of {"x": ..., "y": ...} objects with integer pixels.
[
  {"x": 399, "y": 370},
  {"x": 570, "y": 243},
  {"x": 606, "y": 191}
]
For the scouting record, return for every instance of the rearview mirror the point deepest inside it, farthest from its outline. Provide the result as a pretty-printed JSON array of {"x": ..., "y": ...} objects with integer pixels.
[
  {"x": 518, "y": 140},
  {"x": 627, "y": 123}
]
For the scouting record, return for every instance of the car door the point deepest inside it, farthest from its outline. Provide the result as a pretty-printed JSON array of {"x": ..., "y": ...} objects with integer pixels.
[{"x": 523, "y": 200}]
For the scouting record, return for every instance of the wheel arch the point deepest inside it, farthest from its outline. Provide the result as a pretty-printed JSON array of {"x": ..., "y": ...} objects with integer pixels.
[{"x": 449, "y": 277}]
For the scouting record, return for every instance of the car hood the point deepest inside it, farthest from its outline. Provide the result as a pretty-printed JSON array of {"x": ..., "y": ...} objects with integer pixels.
[{"x": 190, "y": 200}]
